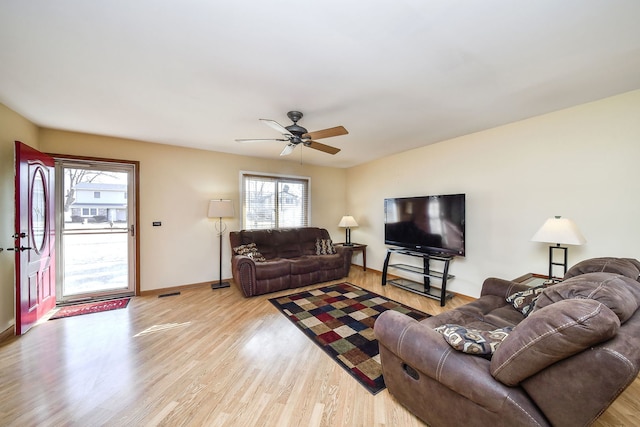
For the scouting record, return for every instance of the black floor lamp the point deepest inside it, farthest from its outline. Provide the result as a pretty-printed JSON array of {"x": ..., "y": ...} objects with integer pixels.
[{"x": 220, "y": 208}]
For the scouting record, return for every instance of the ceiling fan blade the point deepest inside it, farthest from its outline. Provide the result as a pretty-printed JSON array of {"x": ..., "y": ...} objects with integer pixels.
[
  {"x": 260, "y": 140},
  {"x": 326, "y": 133},
  {"x": 288, "y": 149},
  {"x": 275, "y": 125},
  {"x": 322, "y": 147}
]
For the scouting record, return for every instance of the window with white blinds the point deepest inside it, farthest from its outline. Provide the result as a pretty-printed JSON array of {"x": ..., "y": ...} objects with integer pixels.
[{"x": 272, "y": 201}]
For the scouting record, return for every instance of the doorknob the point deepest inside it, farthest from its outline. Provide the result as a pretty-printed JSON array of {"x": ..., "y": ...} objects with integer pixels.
[{"x": 21, "y": 249}]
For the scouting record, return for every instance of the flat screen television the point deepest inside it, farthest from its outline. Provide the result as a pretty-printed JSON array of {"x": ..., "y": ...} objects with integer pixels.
[{"x": 431, "y": 224}]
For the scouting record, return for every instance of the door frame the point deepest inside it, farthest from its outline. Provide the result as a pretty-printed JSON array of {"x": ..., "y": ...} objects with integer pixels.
[{"x": 136, "y": 220}]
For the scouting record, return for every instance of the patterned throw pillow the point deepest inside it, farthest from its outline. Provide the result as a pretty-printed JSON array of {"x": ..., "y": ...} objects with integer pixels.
[
  {"x": 524, "y": 301},
  {"x": 473, "y": 341},
  {"x": 251, "y": 251},
  {"x": 325, "y": 247}
]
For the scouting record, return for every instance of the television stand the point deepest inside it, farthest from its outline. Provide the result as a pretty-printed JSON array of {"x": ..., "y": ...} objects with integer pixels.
[{"x": 427, "y": 274}]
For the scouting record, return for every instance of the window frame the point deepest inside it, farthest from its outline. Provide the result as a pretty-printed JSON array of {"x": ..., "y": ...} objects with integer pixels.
[{"x": 277, "y": 177}]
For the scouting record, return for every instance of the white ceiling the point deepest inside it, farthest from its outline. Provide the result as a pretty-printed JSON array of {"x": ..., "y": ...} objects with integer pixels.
[{"x": 397, "y": 74}]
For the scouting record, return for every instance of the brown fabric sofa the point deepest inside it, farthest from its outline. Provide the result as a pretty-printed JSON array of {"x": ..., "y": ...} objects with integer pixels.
[
  {"x": 562, "y": 365},
  {"x": 291, "y": 259}
]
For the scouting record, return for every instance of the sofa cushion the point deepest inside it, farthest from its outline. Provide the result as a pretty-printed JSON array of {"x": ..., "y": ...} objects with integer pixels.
[
  {"x": 273, "y": 269},
  {"x": 623, "y": 266},
  {"x": 619, "y": 293},
  {"x": 473, "y": 341},
  {"x": 551, "y": 334},
  {"x": 329, "y": 262},
  {"x": 304, "y": 265},
  {"x": 325, "y": 247},
  {"x": 486, "y": 313},
  {"x": 524, "y": 301},
  {"x": 249, "y": 250}
]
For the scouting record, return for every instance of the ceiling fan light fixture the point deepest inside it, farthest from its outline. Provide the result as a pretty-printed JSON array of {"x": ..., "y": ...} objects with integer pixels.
[{"x": 288, "y": 149}]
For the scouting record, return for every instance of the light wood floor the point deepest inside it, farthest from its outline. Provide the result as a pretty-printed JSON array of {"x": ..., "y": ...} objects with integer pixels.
[{"x": 215, "y": 359}]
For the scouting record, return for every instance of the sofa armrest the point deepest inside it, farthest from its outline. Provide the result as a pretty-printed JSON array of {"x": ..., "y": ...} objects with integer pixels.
[
  {"x": 501, "y": 288},
  {"x": 243, "y": 270},
  {"x": 346, "y": 253},
  {"x": 426, "y": 351},
  {"x": 344, "y": 250}
]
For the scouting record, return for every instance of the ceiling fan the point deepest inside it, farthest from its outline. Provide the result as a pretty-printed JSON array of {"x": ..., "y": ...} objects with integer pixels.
[{"x": 295, "y": 134}]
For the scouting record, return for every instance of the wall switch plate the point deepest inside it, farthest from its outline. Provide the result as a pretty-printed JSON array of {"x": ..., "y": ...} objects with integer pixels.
[{"x": 157, "y": 223}]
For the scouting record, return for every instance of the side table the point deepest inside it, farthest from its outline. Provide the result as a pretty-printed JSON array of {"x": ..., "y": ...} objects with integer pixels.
[
  {"x": 532, "y": 279},
  {"x": 357, "y": 247}
]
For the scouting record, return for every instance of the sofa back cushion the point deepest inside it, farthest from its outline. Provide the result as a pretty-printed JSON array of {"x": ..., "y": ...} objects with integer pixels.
[
  {"x": 551, "y": 334},
  {"x": 308, "y": 238},
  {"x": 623, "y": 266},
  {"x": 619, "y": 293},
  {"x": 287, "y": 243},
  {"x": 264, "y": 240},
  {"x": 635, "y": 262},
  {"x": 281, "y": 243}
]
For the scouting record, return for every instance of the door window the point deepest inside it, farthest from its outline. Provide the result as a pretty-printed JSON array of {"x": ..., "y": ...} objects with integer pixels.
[
  {"x": 38, "y": 211},
  {"x": 97, "y": 239}
]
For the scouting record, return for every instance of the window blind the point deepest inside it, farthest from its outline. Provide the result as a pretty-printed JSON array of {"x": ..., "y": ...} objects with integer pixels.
[{"x": 274, "y": 202}]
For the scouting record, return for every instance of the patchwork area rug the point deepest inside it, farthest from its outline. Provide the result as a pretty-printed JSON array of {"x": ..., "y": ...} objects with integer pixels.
[
  {"x": 92, "y": 307},
  {"x": 339, "y": 318}
]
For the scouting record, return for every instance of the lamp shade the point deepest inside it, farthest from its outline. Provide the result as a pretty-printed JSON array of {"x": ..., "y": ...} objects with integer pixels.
[
  {"x": 347, "y": 221},
  {"x": 220, "y": 208},
  {"x": 559, "y": 230}
]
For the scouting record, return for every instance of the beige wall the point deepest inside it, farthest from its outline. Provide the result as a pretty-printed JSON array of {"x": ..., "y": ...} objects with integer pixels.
[
  {"x": 176, "y": 185},
  {"x": 581, "y": 163},
  {"x": 13, "y": 127}
]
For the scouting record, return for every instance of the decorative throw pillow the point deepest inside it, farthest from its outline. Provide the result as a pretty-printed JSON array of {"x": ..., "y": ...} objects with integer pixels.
[
  {"x": 473, "y": 341},
  {"x": 251, "y": 251},
  {"x": 525, "y": 301},
  {"x": 325, "y": 247}
]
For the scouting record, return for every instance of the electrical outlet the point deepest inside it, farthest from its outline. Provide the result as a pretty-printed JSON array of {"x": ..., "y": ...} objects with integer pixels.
[{"x": 157, "y": 223}]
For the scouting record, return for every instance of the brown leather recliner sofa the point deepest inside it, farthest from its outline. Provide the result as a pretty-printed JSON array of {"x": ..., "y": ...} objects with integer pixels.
[
  {"x": 292, "y": 258},
  {"x": 562, "y": 365}
]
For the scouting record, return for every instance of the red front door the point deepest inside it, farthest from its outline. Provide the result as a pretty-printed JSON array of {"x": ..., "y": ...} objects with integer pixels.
[{"x": 34, "y": 236}]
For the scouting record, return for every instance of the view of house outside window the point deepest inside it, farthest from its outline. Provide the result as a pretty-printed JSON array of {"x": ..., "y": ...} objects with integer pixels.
[
  {"x": 95, "y": 230},
  {"x": 274, "y": 202}
]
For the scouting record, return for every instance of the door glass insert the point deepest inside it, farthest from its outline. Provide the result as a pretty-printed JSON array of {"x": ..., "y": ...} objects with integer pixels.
[
  {"x": 95, "y": 262},
  {"x": 96, "y": 243},
  {"x": 38, "y": 211}
]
